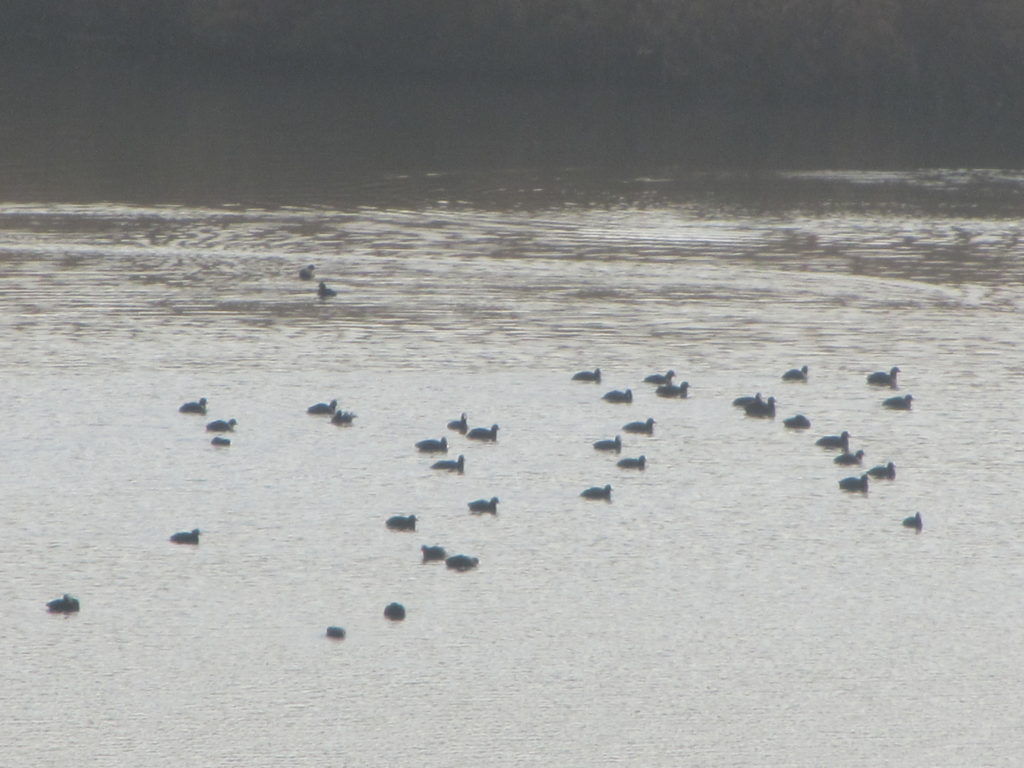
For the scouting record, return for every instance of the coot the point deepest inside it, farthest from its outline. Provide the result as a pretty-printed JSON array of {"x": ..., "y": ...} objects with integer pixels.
[
  {"x": 64, "y": 604},
  {"x": 199, "y": 406},
  {"x": 480, "y": 506},
  {"x": 598, "y": 493},
  {"x": 883, "y": 379},
  {"x": 795, "y": 374},
  {"x": 186, "y": 537},
  {"x": 618, "y": 396},
  {"x": 594, "y": 375}
]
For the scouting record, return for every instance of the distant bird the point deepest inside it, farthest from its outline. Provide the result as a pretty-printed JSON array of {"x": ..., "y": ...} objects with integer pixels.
[
  {"x": 306, "y": 273},
  {"x": 459, "y": 425},
  {"x": 462, "y": 562},
  {"x": 795, "y": 374},
  {"x": 609, "y": 445},
  {"x": 883, "y": 379},
  {"x": 883, "y": 471},
  {"x": 186, "y": 537},
  {"x": 64, "y": 604},
  {"x": 199, "y": 406},
  {"x": 854, "y": 484},
  {"x": 640, "y": 462},
  {"x": 450, "y": 466},
  {"x": 220, "y": 442},
  {"x": 744, "y": 400},
  {"x": 835, "y": 441},
  {"x": 480, "y": 506},
  {"x": 797, "y": 422},
  {"x": 221, "y": 426},
  {"x": 673, "y": 390},
  {"x": 640, "y": 427},
  {"x": 401, "y": 522},
  {"x": 486, "y": 434},
  {"x": 433, "y": 446},
  {"x": 598, "y": 493},
  {"x": 849, "y": 459},
  {"x": 913, "y": 522},
  {"x": 763, "y": 410},
  {"x": 594, "y": 376},
  {"x": 342, "y": 418},
  {"x": 323, "y": 409},
  {"x": 898, "y": 403},
  {"x": 660, "y": 378},
  {"x": 433, "y": 553},
  {"x": 324, "y": 292},
  {"x": 394, "y": 611},
  {"x": 618, "y": 396},
  {"x": 338, "y": 633}
]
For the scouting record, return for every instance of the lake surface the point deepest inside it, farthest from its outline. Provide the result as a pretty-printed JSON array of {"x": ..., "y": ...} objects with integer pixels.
[{"x": 729, "y": 606}]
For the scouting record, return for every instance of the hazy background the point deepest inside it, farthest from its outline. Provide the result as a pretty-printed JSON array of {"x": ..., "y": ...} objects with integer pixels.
[
  {"x": 180, "y": 97},
  {"x": 503, "y": 194}
]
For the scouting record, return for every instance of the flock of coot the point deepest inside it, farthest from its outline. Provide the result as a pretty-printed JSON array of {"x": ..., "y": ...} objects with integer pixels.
[
  {"x": 754, "y": 406},
  {"x": 306, "y": 273},
  {"x": 393, "y": 611}
]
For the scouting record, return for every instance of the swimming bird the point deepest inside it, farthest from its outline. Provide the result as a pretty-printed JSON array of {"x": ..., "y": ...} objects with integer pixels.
[
  {"x": 487, "y": 434},
  {"x": 484, "y": 505},
  {"x": 609, "y": 445},
  {"x": 744, "y": 400},
  {"x": 394, "y": 611},
  {"x": 451, "y": 466},
  {"x": 220, "y": 442},
  {"x": 883, "y": 379},
  {"x": 795, "y": 374},
  {"x": 618, "y": 396},
  {"x": 323, "y": 409},
  {"x": 849, "y": 459},
  {"x": 835, "y": 441},
  {"x": 660, "y": 378},
  {"x": 459, "y": 425},
  {"x": 762, "y": 410},
  {"x": 462, "y": 562},
  {"x": 898, "y": 403},
  {"x": 342, "y": 418},
  {"x": 186, "y": 537},
  {"x": 598, "y": 493},
  {"x": 433, "y": 553},
  {"x": 324, "y": 292},
  {"x": 306, "y": 273},
  {"x": 854, "y": 484},
  {"x": 221, "y": 426},
  {"x": 594, "y": 376},
  {"x": 64, "y": 604},
  {"x": 640, "y": 427},
  {"x": 401, "y": 522},
  {"x": 433, "y": 446},
  {"x": 797, "y": 422},
  {"x": 673, "y": 390},
  {"x": 640, "y": 462},
  {"x": 199, "y": 406},
  {"x": 338, "y": 633},
  {"x": 883, "y": 471},
  {"x": 913, "y": 522}
]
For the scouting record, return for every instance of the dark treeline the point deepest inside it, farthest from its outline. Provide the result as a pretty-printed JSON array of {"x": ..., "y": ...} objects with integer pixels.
[{"x": 936, "y": 54}]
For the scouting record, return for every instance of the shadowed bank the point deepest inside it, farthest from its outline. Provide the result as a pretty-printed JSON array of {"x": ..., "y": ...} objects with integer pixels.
[
  {"x": 261, "y": 101},
  {"x": 940, "y": 56}
]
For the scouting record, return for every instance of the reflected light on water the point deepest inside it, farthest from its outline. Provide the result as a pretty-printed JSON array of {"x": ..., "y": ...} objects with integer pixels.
[{"x": 729, "y": 606}]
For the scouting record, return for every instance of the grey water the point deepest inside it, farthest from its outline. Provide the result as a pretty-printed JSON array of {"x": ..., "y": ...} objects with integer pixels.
[{"x": 728, "y": 606}]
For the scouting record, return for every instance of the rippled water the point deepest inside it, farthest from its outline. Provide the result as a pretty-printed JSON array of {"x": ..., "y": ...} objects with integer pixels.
[{"x": 730, "y": 606}]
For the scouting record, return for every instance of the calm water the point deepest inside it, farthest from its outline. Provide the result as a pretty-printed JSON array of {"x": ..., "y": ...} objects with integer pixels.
[{"x": 730, "y": 606}]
